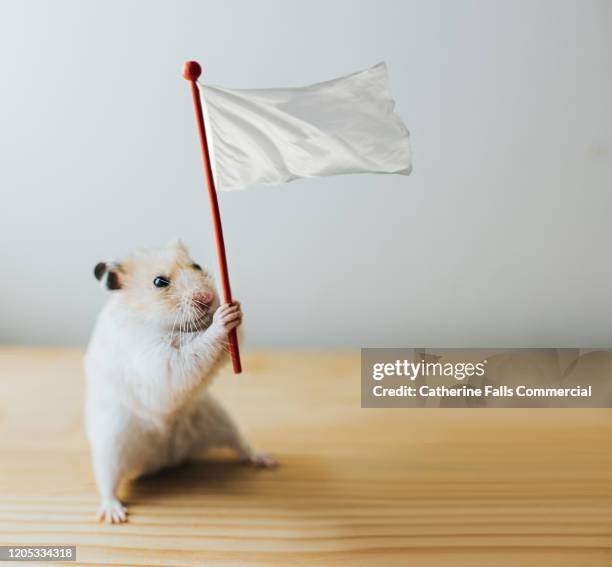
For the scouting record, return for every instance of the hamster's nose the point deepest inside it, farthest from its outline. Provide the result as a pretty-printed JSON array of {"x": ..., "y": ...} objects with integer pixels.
[{"x": 203, "y": 298}]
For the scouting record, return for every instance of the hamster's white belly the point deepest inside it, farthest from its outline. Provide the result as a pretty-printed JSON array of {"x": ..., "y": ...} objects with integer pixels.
[{"x": 144, "y": 445}]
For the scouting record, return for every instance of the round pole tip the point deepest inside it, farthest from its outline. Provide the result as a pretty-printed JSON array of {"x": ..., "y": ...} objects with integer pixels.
[{"x": 192, "y": 70}]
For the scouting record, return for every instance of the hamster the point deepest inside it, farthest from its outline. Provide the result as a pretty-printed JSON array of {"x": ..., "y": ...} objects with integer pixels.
[{"x": 154, "y": 350}]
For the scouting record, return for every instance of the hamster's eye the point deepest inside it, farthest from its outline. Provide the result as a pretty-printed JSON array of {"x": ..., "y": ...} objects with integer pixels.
[
  {"x": 196, "y": 267},
  {"x": 160, "y": 281}
]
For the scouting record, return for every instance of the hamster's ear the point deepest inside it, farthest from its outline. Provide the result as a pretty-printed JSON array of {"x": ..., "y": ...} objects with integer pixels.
[{"x": 108, "y": 274}]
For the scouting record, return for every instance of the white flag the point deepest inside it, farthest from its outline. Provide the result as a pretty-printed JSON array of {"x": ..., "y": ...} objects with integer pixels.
[{"x": 272, "y": 136}]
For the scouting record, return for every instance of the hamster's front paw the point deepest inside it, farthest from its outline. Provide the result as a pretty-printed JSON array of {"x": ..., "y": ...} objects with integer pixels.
[
  {"x": 228, "y": 316},
  {"x": 262, "y": 461},
  {"x": 112, "y": 512}
]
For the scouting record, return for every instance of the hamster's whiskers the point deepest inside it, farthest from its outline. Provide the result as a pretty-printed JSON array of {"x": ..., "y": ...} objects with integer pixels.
[
  {"x": 190, "y": 317},
  {"x": 202, "y": 311},
  {"x": 173, "y": 326},
  {"x": 181, "y": 327},
  {"x": 200, "y": 307}
]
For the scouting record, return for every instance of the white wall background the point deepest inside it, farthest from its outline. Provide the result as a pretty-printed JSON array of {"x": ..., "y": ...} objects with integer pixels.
[{"x": 501, "y": 237}]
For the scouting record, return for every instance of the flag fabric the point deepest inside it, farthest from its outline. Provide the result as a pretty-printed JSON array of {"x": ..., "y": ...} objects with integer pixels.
[{"x": 272, "y": 136}]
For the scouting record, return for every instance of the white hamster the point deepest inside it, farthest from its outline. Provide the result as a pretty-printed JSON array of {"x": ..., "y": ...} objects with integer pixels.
[{"x": 155, "y": 348}]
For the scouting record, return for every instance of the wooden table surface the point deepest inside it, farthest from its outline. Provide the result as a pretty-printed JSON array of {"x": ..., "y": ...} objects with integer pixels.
[{"x": 356, "y": 486}]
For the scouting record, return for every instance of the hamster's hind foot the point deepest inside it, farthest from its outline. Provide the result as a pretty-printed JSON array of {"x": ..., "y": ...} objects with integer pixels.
[
  {"x": 112, "y": 512},
  {"x": 261, "y": 461}
]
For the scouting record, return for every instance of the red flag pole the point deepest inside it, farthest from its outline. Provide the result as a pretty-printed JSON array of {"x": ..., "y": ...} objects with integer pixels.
[{"x": 192, "y": 72}]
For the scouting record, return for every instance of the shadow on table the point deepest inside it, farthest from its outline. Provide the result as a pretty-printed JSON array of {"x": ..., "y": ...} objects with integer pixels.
[{"x": 220, "y": 480}]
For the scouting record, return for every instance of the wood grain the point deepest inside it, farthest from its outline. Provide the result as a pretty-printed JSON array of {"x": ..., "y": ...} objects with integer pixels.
[{"x": 356, "y": 486}]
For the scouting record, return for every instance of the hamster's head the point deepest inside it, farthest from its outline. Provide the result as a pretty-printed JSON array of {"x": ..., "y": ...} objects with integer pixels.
[{"x": 164, "y": 287}]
